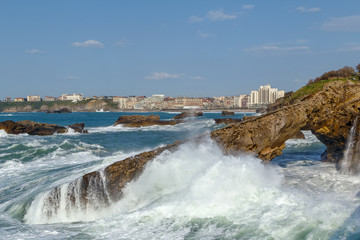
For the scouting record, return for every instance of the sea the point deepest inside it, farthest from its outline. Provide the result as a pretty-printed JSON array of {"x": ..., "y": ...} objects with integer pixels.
[{"x": 195, "y": 192}]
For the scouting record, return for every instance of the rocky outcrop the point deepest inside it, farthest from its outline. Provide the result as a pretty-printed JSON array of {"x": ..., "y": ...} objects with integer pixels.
[
  {"x": 99, "y": 188},
  {"x": 188, "y": 115},
  {"x": 226, "y": 120},
  {"x": 34, "y": 128},
  {"x": 142, "y": 121},
  {"x": 328, "y": 113},
  {"x": 227, "y": 113},
  {"x": 62, "y": 110}
]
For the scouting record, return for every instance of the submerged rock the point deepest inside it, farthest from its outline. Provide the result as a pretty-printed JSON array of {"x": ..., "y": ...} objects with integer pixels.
[
  {"x": 226, "y": 120},
  {"x": 142, "y": 121},
  {"x": 63, "y": 110},
  {"x": 188, "y": 114},
  {"x": 34, "y": 128},
  {"x": 227, "y": 113}
]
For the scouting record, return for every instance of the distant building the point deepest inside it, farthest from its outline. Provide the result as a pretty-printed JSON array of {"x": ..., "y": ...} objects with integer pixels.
[
  {"x": 72, "y": 97},
  {"x": 7, "y": 99},
  {"x": 241, "y": 101},
  {"x": 121, "y": 102},
  {"x": 19, "y": 99},
  {"x": 49, "y": 99},
  {"x": 264, "y": 96},
  {"x": 33, "y": 98}
]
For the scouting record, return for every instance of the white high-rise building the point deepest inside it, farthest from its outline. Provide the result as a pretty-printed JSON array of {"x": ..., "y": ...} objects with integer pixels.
[{"x": 265, "y": 95}]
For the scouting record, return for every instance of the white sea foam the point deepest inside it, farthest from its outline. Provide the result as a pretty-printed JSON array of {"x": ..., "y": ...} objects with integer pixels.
[
  {"x": 187, "y": 126},
  {"x": 223, "y": 195},
  {"x": 3, "y": 133}
]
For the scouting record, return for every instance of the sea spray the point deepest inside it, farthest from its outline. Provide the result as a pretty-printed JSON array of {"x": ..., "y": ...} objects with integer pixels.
[
  {"x": 350, "y": 162},
  {"x": 199, "y": 177},
  {"x": 69, "y": 202}
]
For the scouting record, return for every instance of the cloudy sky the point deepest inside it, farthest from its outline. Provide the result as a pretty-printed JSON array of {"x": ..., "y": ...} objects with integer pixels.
[{"x": 176, "y": 48}]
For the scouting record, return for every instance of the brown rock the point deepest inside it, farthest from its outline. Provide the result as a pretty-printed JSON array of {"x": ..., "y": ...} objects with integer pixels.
[
  {"x": 188, "y": 114},
  {"x": 298, "y": 135},
  {"x": 34, "y": 128},
  {"x": 227, "y": 120},
  {"x": 328, "y": 113},
  {"x": 62, "y": 110},
  {"x": 227, "y": 113},
  {"x": 142, "y": 121}
]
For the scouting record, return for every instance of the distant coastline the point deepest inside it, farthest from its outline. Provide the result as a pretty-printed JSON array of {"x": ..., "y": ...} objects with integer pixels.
[{"x": 94, "y": 106}]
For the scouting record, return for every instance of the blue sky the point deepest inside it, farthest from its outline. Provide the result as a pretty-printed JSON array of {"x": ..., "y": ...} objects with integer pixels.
[{"x": 177, "y": 48}]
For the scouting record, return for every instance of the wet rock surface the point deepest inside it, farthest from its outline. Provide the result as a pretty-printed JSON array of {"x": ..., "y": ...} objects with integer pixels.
[
  {"x": 188, "y": 114},
  {"x": 34, "y": 128},
  {"x": 226, "y": 120},
  {"x": 328, "y": 113},
  {"x": 143, "y": 121},
  {"x": 227, "y": 113}
]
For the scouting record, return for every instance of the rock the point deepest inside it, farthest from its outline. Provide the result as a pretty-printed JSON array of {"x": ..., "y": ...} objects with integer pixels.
[
  {"x": 328, "y": 113},
  {"x": 79, "y": 127},
  {"x": 34, "y": 128},
  {"x": 298, "y": 135},
  {"x": 188, "y": 114},
  {"x": 99, "y": 188},
  {"x": 63, "y": 110},
  {"x": 227, "y": 120},
  {"x": 227, "y": 113},
  {"x": 142, "y": 121}
]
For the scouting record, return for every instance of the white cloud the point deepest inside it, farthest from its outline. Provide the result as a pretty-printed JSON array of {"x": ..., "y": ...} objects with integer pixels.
[
  {"x": 273, "y": 49},
  {"x": 219, "y": 15},
  {"x": 162, "y": 75},
  {"x": 89, "y": 44},
  {"x": 195, "y": 19},
  {"x": 122, "y": 43},
  {"x": 197, "y": 77},
  {"x": 345, "y": 24},
  {"x": 303, "y": 9},
  {"x": 248, "y": 7},
  {"x": 33, "y": 51},
  {"x": 202, "y": 34},
  {"x": 349, "y": 47}
]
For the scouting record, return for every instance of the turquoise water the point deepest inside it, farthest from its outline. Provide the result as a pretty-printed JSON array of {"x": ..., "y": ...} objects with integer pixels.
[{"x": 193, "y": 193}]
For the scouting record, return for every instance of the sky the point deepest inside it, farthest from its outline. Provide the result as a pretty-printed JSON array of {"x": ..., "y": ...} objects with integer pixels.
[{"x": 176, "y": 48}]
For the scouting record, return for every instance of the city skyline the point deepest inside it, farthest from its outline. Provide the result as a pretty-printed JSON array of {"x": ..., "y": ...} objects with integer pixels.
[{"x": 184, "y": 48}]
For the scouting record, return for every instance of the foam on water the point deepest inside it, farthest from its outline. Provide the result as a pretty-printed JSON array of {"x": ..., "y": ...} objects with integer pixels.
[
  {"x": 3, "y": 133},
  {"x": 187, "y": 126},
  {"x": 197, "y": 192}
]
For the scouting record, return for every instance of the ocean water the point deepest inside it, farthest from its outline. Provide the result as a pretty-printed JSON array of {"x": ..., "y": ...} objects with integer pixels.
[{"x": 195, "y": 192}]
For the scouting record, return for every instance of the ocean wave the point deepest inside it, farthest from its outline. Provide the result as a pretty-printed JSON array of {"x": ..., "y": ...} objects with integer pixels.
[
  {"x": 197, "y": 187},
  {"x": 3, "y": 133},
  {"x": 191, "y": 125}
]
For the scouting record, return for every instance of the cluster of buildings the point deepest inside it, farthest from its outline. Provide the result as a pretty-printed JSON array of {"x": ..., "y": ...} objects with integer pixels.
[
  {"x": 37, "y": 98},
  {"x": 265, "y": 95}
]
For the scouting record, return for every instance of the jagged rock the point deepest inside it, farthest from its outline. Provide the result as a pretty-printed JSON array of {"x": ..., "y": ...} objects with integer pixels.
[
  {"x": 63, "y": 110},
  {"x": 227, "y": 113},
  {"x": 328, "y": 113},
  {"x": 78, "y": 127},
  {"x": 298, "y": 135},
  {"x": 188, "y": 114},
  {"x": 227, "y": 120},
  {"x": 34, "y": 128},
  {"x": 142, "y": 121}
]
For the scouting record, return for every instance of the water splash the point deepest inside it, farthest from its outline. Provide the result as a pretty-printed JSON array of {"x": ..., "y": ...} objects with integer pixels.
[
  {"x": 71, "y": 202},
  {"x": 350, "y": 163}
]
